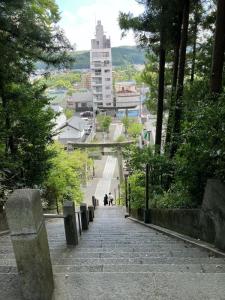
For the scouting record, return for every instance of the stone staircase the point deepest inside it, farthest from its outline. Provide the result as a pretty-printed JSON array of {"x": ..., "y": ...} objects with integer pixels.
[{"x": 119, "y": 259}]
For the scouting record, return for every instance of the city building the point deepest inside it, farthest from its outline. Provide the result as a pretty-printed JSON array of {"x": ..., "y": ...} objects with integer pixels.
[
  {"x": 101, "y": 69},
  {"x": 127, "y": 94},
  {"x": 80, "y": 101}
]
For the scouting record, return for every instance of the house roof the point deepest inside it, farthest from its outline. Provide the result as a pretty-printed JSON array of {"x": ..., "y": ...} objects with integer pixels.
[
  {"x": 75, "y": 122},
  {"x": 69, "y": 133}
]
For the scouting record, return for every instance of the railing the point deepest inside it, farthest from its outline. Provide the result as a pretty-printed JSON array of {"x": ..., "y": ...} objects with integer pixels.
[
  {"x": 84, "y": 216},
  {"x": 61, "y": 216}
]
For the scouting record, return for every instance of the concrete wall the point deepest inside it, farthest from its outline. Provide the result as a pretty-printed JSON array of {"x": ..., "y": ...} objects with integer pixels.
[
  {"x": 184, "y": 221},
  {"x": 207, "y": 223}
]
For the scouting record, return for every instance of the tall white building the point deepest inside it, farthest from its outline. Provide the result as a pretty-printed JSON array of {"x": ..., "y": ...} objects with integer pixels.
[{"x": 101, "y": 69}]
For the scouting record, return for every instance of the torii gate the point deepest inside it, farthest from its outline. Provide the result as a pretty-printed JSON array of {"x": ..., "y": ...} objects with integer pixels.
[{"x": 118, "y": 145}]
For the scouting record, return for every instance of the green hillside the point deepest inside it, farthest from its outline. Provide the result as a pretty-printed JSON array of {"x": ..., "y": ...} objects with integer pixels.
[{"x": 121, "y": 56}]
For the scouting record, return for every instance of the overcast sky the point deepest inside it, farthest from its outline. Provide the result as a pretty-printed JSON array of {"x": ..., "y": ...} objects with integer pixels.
[{"x": 80, "y": 16}]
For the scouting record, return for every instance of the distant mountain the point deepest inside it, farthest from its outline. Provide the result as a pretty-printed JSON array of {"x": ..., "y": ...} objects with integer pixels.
[{"x": 121, "y": 56}]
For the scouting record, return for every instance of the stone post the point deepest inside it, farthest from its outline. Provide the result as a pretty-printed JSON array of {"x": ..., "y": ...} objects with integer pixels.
[
  {"x": 94, "y": 201},
  {"x": 30, "y": 244},
  {"x": 84, "y": 216},
  {"x": 147, "y": 215},
  {"x": 91, "y": 213},
  {"x": 70, "y": 223}
]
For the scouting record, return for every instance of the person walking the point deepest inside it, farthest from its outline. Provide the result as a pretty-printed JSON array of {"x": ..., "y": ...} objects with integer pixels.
[
  {"x": 110, "y": 199},
  {"x": 105, "y": 199}
]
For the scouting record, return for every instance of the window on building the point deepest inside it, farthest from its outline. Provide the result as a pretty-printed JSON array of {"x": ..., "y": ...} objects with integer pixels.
[
  {"x": 106, "y": 63},
  {"x": 108, "y": 87},
  {"x": 97, "y": 64},
  {"x": 108, "y": 104},
  {"x": 105, "y": 54},
  {"x": 107, "y": 79},
  {"x": 98, "y": 89},
  {"x": 98, "y": 72},
  {"x": 107, "y": 71},
  {"x": 97, "y": 80}
]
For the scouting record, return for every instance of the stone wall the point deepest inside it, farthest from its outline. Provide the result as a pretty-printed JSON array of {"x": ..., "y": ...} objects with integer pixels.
[
  {"x": 138, "y": 213},
  {"x": 185, "y": 221},
  {"x": 207, "y": 223}
]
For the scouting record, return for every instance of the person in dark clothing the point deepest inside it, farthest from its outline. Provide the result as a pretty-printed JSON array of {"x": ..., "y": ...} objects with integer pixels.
[{"x": 105, "y": 199}]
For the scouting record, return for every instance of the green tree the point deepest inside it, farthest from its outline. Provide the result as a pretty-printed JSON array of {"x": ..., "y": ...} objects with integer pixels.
[
  {"x": 126, "y": 123},
  {"x": 135, "y": 129},
  {"x": 104, "y": 122},
  {"x": 25, "y": 120}
]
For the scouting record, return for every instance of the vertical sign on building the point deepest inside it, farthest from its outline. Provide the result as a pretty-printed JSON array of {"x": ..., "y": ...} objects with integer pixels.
[{"x": 101, "y": 69}]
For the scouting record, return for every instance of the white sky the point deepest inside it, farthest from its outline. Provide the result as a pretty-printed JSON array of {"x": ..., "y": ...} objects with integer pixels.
[{"x": 80, "y": 16}]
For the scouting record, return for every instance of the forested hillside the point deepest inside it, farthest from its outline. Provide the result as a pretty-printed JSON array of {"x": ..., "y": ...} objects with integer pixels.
[{"x": 121, "y": 56}]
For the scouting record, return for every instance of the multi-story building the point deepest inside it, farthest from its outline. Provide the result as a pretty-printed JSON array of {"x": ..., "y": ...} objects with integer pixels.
[
  {"x": 127, "y": 94},
  {"x": 101, "y": 69}
]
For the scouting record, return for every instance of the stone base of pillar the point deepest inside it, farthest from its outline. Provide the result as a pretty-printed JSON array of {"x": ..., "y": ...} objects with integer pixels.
[{"x": 147, "y": 216}]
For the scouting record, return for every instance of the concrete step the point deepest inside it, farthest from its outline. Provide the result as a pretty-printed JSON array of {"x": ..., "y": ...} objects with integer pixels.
[
  {"x": 131, "y": 285},
  {"x": 136, "y": 268},
  {"x": 145, "y": 260},
  {"x": 80, "y": 254},
  {"x": 110, "y": 254}
]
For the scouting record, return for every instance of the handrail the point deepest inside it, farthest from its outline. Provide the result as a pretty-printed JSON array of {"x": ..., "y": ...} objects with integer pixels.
[
  {"x": 59, "y": 216},
  {"x": 54, "y": 216}
]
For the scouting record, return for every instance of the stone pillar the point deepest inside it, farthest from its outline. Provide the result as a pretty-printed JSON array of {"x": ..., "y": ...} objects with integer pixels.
[
  {"x": 120, "y": 163},
  {"x": 84, "y": 216},
  {"x": 212, "y": 214},
  {"x": 91, "y": 213},
  {"x": 70, "y": 223},
  {"x": 94, "y": 201},
  {"x": 30, "y": 244},
  {"x": 147, "y": 215}
]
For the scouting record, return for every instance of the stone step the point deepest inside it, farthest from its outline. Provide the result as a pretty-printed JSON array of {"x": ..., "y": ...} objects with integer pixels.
[
  {"x": 81, "y": 254},
  {"x": 136, "y": 286},
  {"x": 145, "y": 260},
  {"x": 137, "y": 268},
  {"x": 109, "y": 285}
]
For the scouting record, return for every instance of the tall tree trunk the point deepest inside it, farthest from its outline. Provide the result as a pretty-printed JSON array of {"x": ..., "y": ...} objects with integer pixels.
[
  {"x": 196, "y": 20},
  {"x": 218, "y": 50},
  {"x": 9, "y": 139},
  {"x": 158, "y": 139},
  {"x": 180, "y": 85},
  {"x": 174, "y": 85}
]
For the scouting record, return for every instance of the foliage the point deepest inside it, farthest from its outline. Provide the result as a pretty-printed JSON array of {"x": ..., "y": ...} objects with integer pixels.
[
  {"x": 120, "y": 138},
  {"x": 28, "y": 33},
  {"x": 126, "y": 73},
  {"x": 137, "y": 187},
  {"x": 67, "y": 173},
  {"x": 63, "y": 80},
  {"x": 104, "y": 122},
  {"x": 69, "y": 113},
  {"x": 135, "y": 129},
  {"x": 126, "y": 122}
]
